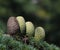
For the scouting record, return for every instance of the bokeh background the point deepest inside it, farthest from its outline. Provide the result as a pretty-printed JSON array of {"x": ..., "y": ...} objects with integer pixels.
[{"x": 45, "y": 13}]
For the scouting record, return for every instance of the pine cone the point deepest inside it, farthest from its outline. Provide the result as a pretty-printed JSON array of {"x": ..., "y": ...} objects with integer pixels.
[
  {"x": 12, "y": 25},
  {"x": 29, "y": 29},
  {"x": 21, "y": 22},
  {"x": 39, "y": 33}
]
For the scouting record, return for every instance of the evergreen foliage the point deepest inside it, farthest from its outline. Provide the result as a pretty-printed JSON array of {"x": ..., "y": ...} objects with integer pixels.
[
  {"x": 2, "y": 27},
  {"x": 7, "y": 42}
]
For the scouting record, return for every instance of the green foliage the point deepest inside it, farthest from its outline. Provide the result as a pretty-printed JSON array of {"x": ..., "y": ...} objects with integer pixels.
[
  {"x": 27, "y": 5},
  {"x": 2, "y": 47},
  {"x": 52, "y": 5},
  {"x": 44, "y": 45},
  {"x": 16, "y": 7},
  {"x": 47, "y": 46},
  {"x": 2, "y": 27},
  {"x": 7, "y": 42}
]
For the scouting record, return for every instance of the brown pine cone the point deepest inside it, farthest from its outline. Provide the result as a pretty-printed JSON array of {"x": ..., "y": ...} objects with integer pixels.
[{"x": 12, "y": 25}]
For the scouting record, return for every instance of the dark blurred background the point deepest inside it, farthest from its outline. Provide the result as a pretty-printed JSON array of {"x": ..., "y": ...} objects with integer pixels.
[{"x": 45, "y": 13}]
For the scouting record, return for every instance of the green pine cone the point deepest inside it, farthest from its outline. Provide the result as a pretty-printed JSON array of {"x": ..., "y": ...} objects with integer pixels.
[
  {"x": 29, "y": 29},
  {"x": 21, "y": 22},
  {"x": 39, "y": 34}
]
